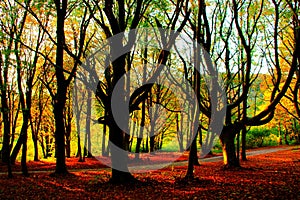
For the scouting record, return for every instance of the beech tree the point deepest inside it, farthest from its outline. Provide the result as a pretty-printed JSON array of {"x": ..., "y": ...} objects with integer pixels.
[
  {"x": 63, "y": 73},
  {"x": 248, "y": 34},
  {"x": 236, "y": 34},
  {"x": 26, "y": 70},
  {"x": 119, "y": 17},
  {"x": 7, "y": 46}
]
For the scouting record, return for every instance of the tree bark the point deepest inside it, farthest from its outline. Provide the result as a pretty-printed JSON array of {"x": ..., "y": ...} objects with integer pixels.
[
  {"x": 191, "y": 161},
  {"x": 88, "y": 146},
  {"x": 5, "y": 110},
  {"x": 59, "y": 100},
  {"x": 243, "y": 153},
  {"x": 140, "y": 133},
  {"x": 77, "y": 109},
  {"x": 229, "y": 155},
  {"x": 119, "y": 157},
  {"x": 104, "y": 149},
  {"x": 35, "y": 144}
]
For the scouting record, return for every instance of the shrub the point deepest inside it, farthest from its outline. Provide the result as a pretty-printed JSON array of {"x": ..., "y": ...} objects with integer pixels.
[{"x": 258, "y": 137}]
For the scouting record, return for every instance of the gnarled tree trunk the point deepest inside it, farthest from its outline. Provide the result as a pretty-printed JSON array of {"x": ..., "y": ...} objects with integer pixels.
[{"x": 229, "y": 153}]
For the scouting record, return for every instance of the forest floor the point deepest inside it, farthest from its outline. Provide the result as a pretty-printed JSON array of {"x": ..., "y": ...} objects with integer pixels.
[{"x": 269, "y": 173}]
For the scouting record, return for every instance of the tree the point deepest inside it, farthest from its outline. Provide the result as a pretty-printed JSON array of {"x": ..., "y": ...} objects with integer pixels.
[
  {"x": 26, "y": 70},
  {"x": 231, "y": 128},
  {"x": 119, "y": 17},
  {"x": 63, "y": 73},
  {"x": 239, "y": 50},
  {"x": 10, "y": 31}
]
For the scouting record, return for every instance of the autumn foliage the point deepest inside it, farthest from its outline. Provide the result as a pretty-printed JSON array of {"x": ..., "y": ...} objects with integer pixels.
[{"x": 266, "y": 176}]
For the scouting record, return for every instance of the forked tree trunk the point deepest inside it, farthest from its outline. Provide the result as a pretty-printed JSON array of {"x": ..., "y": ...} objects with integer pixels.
[{"x": 17, "y": 148}]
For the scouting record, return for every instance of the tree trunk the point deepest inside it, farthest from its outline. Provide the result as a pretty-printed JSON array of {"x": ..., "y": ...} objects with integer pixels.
[
  {"x": 243, "y": 153},
  {"x": 179, "y": 133},
  {"x": 140, "y": 134},
  {"x": 17, "y": 148},
  {"x": 24, "y": 156},
  {"x": 79, "y": 154},
  {"x": 238, "y": 146},
  {"x": 36, "y": 149},
  {"x": 59, "y": 99},
  {"x": 23, "y": 140},
  {"x": 59, "y": 139},
  {"x": 119, "y": 157},
  {"x": 229, "y": 154},
  {"x": 191, "y": 161},
  {"x": 285, "y": 136},
  {"x": 43, "y": 147},
  {"x": 195, "y": 157},
  {"x": 161, "y": 141},
  {"x": 200, "y": 136},
  {"x": 48, "y": 142},
  {"x": 77, "y": 109},
  {"x": 152, "y": 138},
  {"x": 88, "y": 147},
  {"x": 6, "y": 132},
  {"x": 68, "y": 147},
  {"x": 146, "y": 149},
  {"x": 104, "y": 149},
  {"x": 5, "y": 151},
  {"x": 68, "y": 125}
]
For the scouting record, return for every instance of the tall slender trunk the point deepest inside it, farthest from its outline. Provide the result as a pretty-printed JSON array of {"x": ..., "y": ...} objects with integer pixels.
[
  {"x": 88, "y": 144},
  {"x": 36, "y": 149},
  {"x": 104, "y": 150},
  {"x": 59, "y": 99},
  {"x": 48, "y": 148},
  {"x": 285, "y": 135},
  {"x": 68, "y": 125},
  {"x": 68, "y": 147},
  {"x": 43, "y": 147},
  {"x": 243, "y": 153},
  {"x": 77, "y": 109},
  {"x": 5, "y": 111},
  {"x": 140, "y": 133},
  {"x": 191, "y": 160},
  {"x": 24, "y": 145},
  {"x": 179, "y": 133}
]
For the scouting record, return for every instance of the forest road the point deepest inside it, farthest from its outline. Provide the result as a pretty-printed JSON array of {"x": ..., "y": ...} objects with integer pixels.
[
  {"x": 251, "y": 152},
  {"x": 157, "y": 166}
]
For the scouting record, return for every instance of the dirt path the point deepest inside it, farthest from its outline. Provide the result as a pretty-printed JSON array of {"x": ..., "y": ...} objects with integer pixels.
[
  {"x": 252, "y": 152},
  {"x": 156, "y": 166}
]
